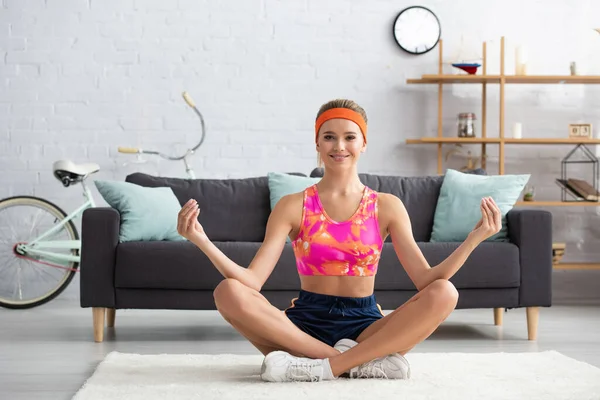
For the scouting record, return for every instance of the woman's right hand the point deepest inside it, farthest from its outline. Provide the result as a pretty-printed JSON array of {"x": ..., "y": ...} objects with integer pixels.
[{"x": 188, "y": 225}]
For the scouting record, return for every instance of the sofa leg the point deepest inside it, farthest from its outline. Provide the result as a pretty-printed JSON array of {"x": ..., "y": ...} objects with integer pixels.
[
  {"x": 98, "y": 314},
  {"x": 498, "y": 316},
  {"x": 110, "y": 317},
  {"x": 533, "y": 316}
]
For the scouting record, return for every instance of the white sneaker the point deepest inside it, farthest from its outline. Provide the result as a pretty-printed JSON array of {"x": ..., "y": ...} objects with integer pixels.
[
  {"x": 393, "y": 366},
  {"x": 344, "y": 344},
  {"x": 279, "y": 366}
]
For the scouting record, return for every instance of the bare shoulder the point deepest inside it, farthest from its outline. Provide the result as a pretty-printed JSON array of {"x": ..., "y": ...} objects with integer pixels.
[
  {"x": 290, "y": 202},
  {"x": 391, "y": 211},
  {"x": 289, "y": 207},
  {"x": 389, "y": 203},
  {"x": 288, "y": 213}
]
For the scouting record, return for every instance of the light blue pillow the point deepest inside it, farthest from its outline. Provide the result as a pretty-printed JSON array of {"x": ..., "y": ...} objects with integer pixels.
[
  {"x": 146, "y": 213},
  {"x": 283, "y": 184},
  {"x": 458, "y": 211}
]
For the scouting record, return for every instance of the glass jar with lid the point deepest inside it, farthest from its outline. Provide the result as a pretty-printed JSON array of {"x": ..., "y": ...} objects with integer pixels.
[{"x": 466, "y": 125}]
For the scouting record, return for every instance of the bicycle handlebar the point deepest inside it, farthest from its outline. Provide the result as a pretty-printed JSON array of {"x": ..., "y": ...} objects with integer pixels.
[
  {"x": 129, "y": 150},
  {"x": 190, "y": 102}
]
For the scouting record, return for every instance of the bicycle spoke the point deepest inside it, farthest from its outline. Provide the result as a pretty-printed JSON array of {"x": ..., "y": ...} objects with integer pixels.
[
  {"x": 14, "y": 233},
  {"x": 19, "y": 284},
  {"x": 40, "y": 268},
  {"x": 10, "y": 270},
  {"x": 12, "y": 262},
  {"x": 8, "y": 256},
  {"x": 34, "y": 222}
]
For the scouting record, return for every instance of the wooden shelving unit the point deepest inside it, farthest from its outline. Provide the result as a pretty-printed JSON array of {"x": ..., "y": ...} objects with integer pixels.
[{"x": 502, "y": 80}]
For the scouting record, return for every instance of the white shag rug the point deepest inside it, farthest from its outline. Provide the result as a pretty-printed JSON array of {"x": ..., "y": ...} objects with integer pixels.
[{"x": 448, "y": 376}]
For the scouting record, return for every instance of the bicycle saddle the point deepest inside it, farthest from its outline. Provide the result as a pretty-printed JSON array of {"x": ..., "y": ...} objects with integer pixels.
[{"x": 68, "y": 172}]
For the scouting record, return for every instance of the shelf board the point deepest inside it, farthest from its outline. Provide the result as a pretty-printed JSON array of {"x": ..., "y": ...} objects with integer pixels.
[
  {"x": 457, "y": 139},
  {"x": 547, "y": 79},
  {"x": 551, "y": 141},
  {"x": 557, "y": 203},
  {"x": 582, "y": 266},
  {"x": 456, "y": 79},
  {"x": 435, "y": 139},
  {"x": 509, "y": 79}
]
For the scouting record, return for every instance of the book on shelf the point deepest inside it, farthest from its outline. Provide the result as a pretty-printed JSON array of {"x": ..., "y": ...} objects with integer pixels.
[
  {"x": 584, "y": 189},
  {"x": 570, "y": 191}
]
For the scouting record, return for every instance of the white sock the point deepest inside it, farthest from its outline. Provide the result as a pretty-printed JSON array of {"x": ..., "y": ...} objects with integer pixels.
[{"x": 327, "y": 373}]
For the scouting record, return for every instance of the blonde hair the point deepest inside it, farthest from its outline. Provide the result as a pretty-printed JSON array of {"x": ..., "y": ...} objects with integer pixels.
[{"x": 340, "y": 103}]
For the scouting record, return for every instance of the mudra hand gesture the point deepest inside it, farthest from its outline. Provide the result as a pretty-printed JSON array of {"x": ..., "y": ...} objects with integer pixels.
[
  {"x": 490, "y": 222},
  {"x": 187, "y": 222}
]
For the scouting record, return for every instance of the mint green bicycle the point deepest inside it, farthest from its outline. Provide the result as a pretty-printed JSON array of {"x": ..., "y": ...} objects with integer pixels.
[{"x": 39, "y": 243}]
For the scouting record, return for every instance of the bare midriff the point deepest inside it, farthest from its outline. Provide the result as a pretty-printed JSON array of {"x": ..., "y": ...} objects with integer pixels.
[{"x": 343, "y": 286}]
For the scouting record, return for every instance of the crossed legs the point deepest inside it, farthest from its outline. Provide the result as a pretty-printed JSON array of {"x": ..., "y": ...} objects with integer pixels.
[{"x": 268, "y": 329}]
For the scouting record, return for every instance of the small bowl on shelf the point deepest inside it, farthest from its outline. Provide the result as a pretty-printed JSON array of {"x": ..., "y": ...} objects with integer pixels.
[{"x": 469, "y": 68}]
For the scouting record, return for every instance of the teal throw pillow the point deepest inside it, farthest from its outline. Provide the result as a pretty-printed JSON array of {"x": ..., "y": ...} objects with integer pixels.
[
  {"x": 146, "y": 213},
  {"x": 458, "y": 211},
  {"x": 283, "y": 184}
]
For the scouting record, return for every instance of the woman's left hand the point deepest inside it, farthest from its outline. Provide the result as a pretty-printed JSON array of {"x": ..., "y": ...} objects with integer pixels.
[{"x": 490, "y": 222}]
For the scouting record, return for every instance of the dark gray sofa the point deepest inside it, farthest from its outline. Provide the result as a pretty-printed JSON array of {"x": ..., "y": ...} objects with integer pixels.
[{"x": 177, "y": 275}]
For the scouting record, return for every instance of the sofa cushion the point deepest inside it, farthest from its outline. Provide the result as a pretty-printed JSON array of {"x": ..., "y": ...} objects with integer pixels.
[
  {"x": 319, "y": 171},
  {"x": 181, "y": 265},
  {"x": 230, "y": 209},
  {"x": 491, "y": 265}
]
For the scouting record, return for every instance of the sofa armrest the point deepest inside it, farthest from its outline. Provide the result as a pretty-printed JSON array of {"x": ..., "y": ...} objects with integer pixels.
[
  {"x": 531, "y": 231},
  {"x": 99, "y": 239}
]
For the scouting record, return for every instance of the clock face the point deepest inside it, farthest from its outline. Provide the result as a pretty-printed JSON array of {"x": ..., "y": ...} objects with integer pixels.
[{"x": 417, "y": 30}]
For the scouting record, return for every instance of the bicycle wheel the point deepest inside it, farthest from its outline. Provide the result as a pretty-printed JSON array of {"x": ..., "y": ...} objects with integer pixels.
[{"x": 28, "y": 281}]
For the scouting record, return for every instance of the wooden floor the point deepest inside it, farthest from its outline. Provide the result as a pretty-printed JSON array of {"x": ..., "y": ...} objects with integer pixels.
[{"x": 49, "y": 352}]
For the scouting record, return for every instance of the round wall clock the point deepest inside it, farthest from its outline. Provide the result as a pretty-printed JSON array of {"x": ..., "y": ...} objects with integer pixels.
[{"x": 417, "y": 30}]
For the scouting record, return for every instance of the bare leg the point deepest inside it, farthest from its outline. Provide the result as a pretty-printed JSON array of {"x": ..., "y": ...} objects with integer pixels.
[
  {"x": 403, "y": 329},
  {"x": 266, "y": 327}
]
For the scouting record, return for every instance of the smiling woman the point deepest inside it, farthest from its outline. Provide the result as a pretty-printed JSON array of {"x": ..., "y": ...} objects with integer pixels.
[{"x": 337, "y": 228}]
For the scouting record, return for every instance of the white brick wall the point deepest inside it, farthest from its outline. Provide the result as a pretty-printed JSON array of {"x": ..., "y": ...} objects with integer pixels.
[{"x": 80, "y": 77}]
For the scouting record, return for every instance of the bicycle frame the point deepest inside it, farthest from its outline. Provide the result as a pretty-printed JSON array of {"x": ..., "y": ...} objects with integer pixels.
[
  {"x": 188, "y": 169},
  {"x": 33, "y": 247}
]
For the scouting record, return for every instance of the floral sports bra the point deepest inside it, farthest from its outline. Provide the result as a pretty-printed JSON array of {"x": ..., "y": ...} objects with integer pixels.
[{"x": 328, "y": 247}]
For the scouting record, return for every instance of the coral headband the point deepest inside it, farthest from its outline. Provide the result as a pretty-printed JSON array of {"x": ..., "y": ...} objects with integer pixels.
[{"x": 343, "y": 113}]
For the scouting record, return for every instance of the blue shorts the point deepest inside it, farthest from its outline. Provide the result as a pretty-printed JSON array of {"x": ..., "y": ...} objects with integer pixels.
[{"x": 331, "y": 318}]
